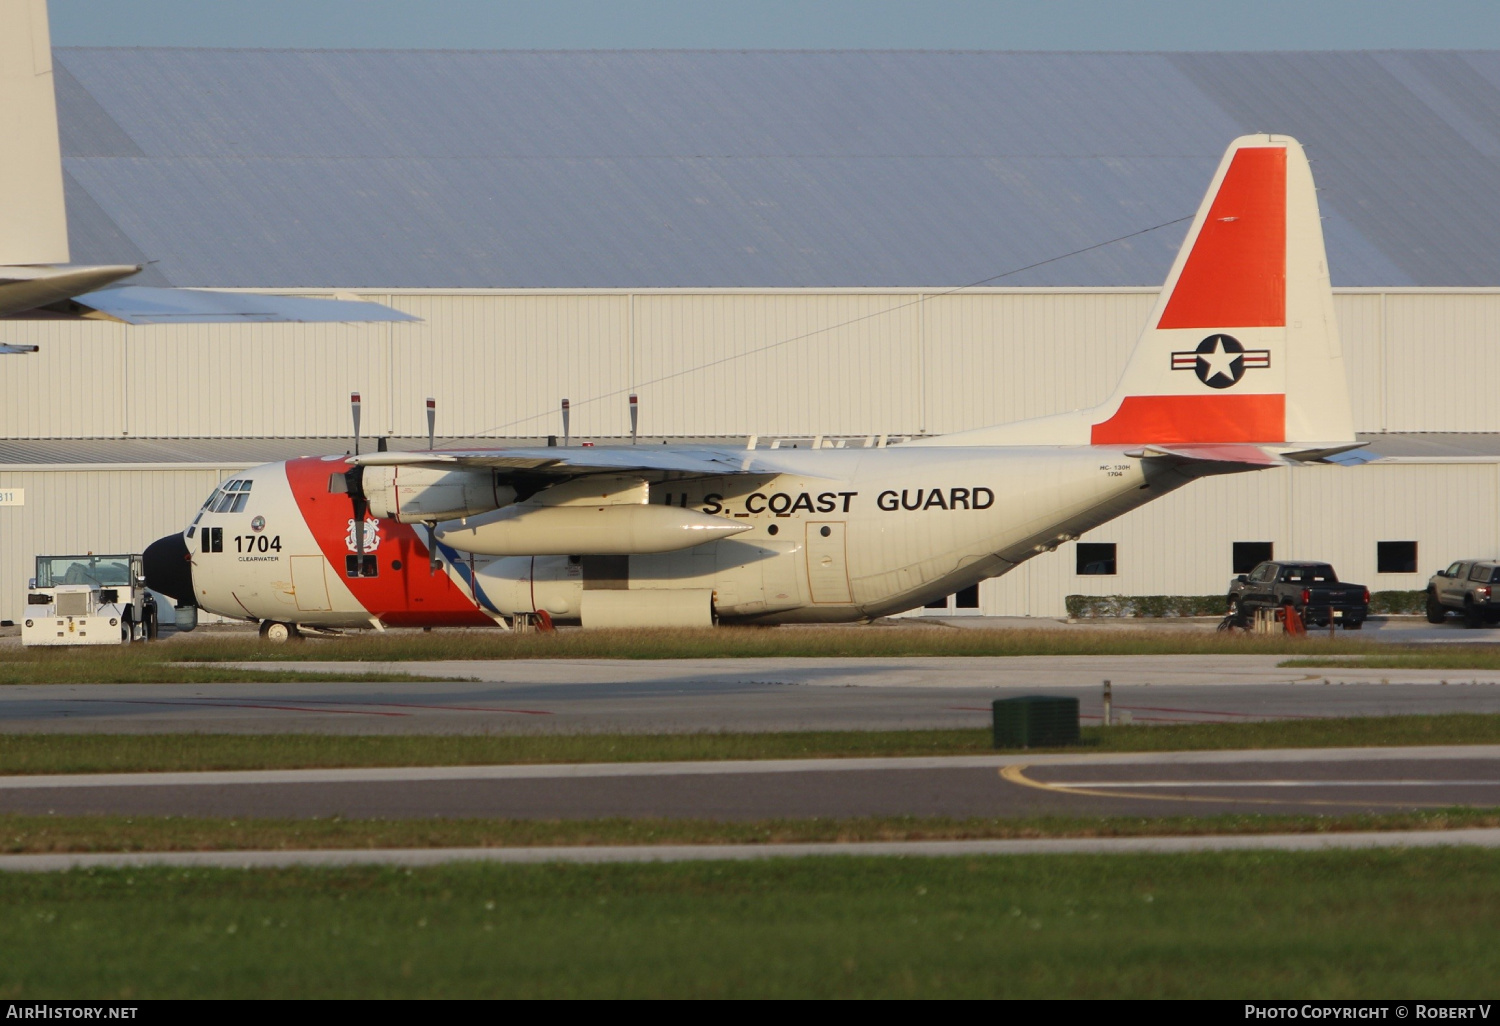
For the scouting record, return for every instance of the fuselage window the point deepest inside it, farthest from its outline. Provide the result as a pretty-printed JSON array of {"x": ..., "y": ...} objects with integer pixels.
[{"x": 361, "y": 566}]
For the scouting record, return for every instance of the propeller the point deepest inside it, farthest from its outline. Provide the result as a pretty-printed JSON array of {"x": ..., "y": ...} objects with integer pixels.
[
  {"x": 635, "y": 415},
  {"x": 565, "y": 421},
  {"x": 354, "y": 483},
  {"x": 434, "y": 558}
]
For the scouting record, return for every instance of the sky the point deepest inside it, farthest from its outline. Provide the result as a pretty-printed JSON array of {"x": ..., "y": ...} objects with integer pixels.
[{"x": 784, "y": 24}]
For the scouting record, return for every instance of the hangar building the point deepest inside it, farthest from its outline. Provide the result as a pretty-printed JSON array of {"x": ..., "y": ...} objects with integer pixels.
[{"x": 785, "y": 244}]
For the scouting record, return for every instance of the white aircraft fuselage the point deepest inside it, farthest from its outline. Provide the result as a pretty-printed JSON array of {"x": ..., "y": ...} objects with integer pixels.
[
  {"x": 838, "y": 535},
  {"x": 1239, "y": 368}
]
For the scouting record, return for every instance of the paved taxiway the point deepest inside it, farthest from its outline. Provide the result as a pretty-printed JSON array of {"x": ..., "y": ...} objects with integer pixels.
[
  {"x": 1156, "y": 784},
  {"x": 413, "y": 857},
  {"x": 649, "y": 696}
]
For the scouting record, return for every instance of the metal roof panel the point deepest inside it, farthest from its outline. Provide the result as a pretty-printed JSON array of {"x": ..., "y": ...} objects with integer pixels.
[{"x": 443, "y": 169}]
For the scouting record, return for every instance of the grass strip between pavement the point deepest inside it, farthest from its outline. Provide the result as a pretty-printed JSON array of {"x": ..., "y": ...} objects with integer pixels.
[
  {"x": 193, "y": 659},
  {"x": 1469, "y": 657},
  {"x": 136, "y": 662},
  {"x": 137, "y": 753},
  {"x": 134, "y": 666},
  {"x": 35, "y": 834}
]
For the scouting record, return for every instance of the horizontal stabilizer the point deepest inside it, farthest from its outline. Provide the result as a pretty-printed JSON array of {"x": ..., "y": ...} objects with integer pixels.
[
  {"x": 140, "y": 304},
  {"x": 1250, "y": 455},
  {"x": 1342, "y": 455},
  {"x": 1255, "y": 455}
]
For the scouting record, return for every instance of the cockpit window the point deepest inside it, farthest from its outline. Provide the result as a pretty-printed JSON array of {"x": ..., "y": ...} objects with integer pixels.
[{"x": 231, "y": 497}]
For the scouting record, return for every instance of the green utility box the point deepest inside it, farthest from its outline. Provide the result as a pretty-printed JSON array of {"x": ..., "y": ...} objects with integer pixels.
[{"x": 1035, "y": 721}]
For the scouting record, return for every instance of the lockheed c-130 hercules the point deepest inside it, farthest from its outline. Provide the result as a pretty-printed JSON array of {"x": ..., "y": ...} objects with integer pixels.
[{"x": 1239, "y": 368}]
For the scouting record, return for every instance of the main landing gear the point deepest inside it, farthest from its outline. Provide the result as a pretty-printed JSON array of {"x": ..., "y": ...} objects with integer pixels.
[{"x": 278, "y": 632}]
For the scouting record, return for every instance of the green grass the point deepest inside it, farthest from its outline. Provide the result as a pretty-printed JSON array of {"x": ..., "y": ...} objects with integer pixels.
[
  {"x": 152, "y": 664},
  {"x": 163, "y": 662},
  {"x": 32, "y": 834},
  {"x": 1331, "y": 925},
  {"x": 1445, "y": 658},
  {"x": 116, "y": 753},
  {"x": 870, "y": 641}
]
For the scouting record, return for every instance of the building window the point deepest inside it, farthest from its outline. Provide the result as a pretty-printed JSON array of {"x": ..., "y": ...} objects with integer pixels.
[
  {"x": 1249, "y": 555},
  {"x": 1096, "y": 559},
  {"x": 1396, "y": 557},
  {"x": 968, "y": 598}
]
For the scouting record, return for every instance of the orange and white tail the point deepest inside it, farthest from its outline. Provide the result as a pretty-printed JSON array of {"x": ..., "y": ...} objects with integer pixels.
[{"x": 1242, "y": 347}]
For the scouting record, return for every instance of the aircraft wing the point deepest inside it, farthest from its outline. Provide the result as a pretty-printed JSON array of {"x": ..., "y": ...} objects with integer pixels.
[
  {"x": 574, "y": 461},
  {"x": 140, "y": 304}
]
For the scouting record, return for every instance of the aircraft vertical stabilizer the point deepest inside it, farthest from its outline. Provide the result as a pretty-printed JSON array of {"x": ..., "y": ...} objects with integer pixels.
[
  {"x": 33, "y": 223},
  {"x": 1242, "y": 347}
]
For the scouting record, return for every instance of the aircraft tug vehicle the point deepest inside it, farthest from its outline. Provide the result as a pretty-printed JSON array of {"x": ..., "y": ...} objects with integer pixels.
[
  {"x": 88, "y": 600},
  {"x": 1239, "y": 368}
]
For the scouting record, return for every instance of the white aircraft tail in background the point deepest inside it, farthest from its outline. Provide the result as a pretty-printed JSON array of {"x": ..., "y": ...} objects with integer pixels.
[
  {"x": 1240, "y": 359},
  {"x": 34, "y": 268},
  {"x": 33, "y": 223}
]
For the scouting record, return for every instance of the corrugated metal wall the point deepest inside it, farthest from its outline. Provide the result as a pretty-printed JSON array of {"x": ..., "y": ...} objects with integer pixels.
[
  {"x": 68, "y": 512},
  {"x": 794, "y": 362},
  {"x": 1182, "y": 544},
  {"x": 788, "y": 362}
]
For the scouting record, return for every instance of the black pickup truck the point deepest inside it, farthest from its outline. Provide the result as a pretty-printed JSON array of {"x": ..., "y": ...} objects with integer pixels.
[{"x": 1313, "y": 589}]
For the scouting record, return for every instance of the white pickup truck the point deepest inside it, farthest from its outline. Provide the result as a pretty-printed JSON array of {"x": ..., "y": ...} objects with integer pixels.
[{"x": 88, "y": 600}]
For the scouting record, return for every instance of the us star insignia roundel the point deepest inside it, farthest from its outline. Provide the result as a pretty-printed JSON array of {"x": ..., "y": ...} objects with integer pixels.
[{"x": 1220, "y": 361}]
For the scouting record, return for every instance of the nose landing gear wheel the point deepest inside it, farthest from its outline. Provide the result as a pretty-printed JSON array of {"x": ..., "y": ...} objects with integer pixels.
[{"x": 277, "y": 632}]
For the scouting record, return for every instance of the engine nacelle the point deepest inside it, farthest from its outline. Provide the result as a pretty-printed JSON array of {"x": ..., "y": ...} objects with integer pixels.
[
  {"x": 625, "y": 529},
  {"x": 413, "y": 495}
]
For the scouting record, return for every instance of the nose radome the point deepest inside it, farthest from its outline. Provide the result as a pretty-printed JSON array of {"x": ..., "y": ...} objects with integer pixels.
[{"x": 168, "y": 569}]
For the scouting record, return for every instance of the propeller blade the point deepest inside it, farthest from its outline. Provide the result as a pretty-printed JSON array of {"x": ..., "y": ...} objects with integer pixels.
[{"x": 354, "y": 409}]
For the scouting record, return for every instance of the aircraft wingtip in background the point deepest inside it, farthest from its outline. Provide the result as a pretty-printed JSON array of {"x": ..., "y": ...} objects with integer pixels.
[{"x": 35, "y": 274}]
